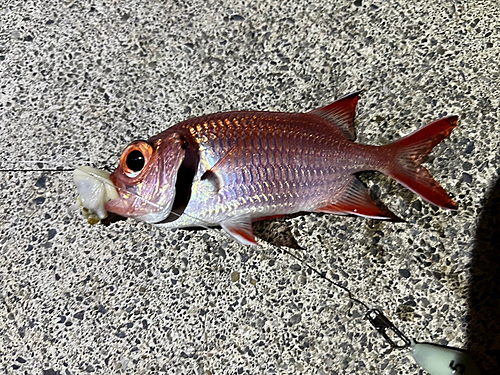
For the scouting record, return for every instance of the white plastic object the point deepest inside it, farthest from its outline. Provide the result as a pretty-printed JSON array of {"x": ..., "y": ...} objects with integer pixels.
[
  {"x": 95, "y": 189},
  {"x": 442, "y": 360}
]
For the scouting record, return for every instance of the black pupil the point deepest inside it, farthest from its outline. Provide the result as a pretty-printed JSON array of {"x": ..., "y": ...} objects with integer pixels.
[{"x": 135, "y": 161}]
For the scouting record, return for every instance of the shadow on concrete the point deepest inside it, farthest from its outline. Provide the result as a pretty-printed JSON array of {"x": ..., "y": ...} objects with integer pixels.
[{"x": 484, "y": 290}]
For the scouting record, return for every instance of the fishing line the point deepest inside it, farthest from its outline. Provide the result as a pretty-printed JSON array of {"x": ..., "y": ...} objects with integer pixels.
[
  {"x": 109, "y": 183},
  {"x": 41, "y": 169},
  {"x": 37, "y": 170},
  {"x": 323, "y": 276}
]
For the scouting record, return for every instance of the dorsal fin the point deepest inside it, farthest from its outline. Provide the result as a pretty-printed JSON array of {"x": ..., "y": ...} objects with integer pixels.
[{"x": 341, "y": 113}]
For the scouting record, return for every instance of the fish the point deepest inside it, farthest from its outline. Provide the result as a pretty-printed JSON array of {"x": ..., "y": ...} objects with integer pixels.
[{"x": 234, "y": 168}]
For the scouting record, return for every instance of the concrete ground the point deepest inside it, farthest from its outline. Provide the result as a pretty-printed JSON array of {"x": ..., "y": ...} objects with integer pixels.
[{"x": 80, "y": 80}]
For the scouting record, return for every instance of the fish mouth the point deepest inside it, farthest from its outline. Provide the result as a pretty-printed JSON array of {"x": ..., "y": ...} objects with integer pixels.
[
  {"x": 98, "y": 195},
  {"x": 101, "y": 194}
]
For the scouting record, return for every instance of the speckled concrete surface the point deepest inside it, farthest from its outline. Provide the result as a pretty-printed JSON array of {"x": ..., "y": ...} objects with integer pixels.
[{"x": 79, "y": 81}]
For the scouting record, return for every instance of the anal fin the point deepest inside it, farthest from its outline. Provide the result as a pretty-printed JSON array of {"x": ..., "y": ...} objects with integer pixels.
[
  {"x": 356, "y": 200},
  {"x": 241, "y": 229}
]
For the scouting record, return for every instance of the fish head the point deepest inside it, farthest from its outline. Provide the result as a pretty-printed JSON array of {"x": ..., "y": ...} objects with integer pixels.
[{"x": 146, "y": 177}]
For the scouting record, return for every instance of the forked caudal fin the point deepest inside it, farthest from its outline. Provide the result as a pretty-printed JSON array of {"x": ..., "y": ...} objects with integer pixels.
[{"x": 411, "y": 151}]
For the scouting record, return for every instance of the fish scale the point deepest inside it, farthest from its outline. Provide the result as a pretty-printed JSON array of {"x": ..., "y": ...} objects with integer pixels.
[
  {"x": 266, "y": 139},
  {"x": 296, "y": 169},
  {"x": 232, "y": 168}
]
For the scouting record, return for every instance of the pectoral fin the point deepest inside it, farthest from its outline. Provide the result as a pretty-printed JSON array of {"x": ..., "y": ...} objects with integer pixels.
[{"x": 241, "y": 229}]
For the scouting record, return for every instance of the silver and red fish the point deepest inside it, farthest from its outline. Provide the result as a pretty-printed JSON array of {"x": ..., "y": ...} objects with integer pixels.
[{"x": 233, "y": 168}]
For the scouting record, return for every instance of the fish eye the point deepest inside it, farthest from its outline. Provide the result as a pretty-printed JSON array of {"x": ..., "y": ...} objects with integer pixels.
[
  {"x": 135, "y": 157},
  {"x": 135, "y": 161}
]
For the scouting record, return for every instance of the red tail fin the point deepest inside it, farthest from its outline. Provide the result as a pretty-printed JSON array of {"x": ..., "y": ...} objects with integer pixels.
[{"x": 411, "y": 151}]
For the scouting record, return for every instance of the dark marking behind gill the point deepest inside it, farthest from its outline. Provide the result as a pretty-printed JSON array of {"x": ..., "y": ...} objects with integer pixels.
[{"x": 184, "y": 181}]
